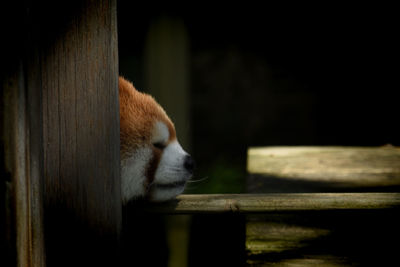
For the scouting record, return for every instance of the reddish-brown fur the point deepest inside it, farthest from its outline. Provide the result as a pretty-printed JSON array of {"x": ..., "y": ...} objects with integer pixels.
[{"x": 138, "y": 114}]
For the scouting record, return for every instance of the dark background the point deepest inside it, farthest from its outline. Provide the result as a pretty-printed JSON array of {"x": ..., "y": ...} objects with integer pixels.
[{"x": 271, "y": 75}]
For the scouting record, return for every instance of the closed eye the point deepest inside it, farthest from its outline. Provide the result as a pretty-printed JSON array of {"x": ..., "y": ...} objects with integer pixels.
[{"x": 159, "y": 145}]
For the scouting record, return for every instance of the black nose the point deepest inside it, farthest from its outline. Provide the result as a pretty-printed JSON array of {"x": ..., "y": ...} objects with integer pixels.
[{"x": 189, "y": 164}]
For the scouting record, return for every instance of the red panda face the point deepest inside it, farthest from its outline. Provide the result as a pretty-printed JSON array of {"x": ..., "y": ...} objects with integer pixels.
[{"x": 153, "y": 164}]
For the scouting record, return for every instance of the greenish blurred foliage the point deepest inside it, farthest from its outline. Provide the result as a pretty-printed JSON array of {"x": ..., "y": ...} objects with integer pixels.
[{"x": 219, "y": 177}]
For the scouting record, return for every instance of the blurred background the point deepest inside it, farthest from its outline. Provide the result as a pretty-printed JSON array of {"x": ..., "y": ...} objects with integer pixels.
[
  {"x": 239, "y": 75},
  {"x": 236, "y": 76}
]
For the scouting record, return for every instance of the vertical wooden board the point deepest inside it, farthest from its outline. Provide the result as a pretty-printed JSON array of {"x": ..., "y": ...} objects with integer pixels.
[
  {"x": 22, "y": 133},
  {"x": 23, "y": 164},
  {"x": 15, "y": 137},
  {"x": 81, "y": 135}
]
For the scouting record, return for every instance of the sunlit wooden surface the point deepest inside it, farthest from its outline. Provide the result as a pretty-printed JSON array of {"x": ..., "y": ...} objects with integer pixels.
[{"x": 323, "y": 169}]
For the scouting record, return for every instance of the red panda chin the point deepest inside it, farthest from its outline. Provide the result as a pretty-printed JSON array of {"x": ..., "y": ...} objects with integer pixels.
[{"x": 161, "y": 193}]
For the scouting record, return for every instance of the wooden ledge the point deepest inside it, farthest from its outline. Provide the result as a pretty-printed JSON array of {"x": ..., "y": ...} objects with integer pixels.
[
  {"x": 266, "y": 203},
  {"x": 323, "y": 169}
]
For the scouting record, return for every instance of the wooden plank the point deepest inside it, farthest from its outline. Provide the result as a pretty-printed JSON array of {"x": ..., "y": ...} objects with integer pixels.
[
  {"x": 16, "y": 135},
  {"x": 323, "y": 169},
  {"x": 35, "y": 155},
  {"x": 22, "y": 141},
  {"x": 77, "y": 67},
  {"x": 24, "y": 159},
  {"x": 61, "y": 129},
  {"x": 266, "y": 203}
]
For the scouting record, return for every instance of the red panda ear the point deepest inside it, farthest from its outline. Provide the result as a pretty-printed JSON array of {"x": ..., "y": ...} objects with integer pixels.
[
  {"x": 124, "y": 85},
  {"x": 139, "y": 113}
]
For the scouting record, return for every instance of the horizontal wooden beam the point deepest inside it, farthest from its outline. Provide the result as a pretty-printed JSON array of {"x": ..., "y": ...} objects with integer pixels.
[
  {"x": 323, "y": 169},
  {"x": 267, "y": 203}
]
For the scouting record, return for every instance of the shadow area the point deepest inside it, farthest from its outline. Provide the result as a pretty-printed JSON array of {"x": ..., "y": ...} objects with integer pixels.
[
  {"x": 143, "y": 237},
  {"x": 321, "y": 238},
  {"x": 324, "y": 238},
  {"x": 258, "y": 183}
]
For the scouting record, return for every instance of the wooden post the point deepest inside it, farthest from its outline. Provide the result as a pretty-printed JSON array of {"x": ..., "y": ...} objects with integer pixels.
[
  {"x": 81, "y": 137},
  {"x": 62, "y": 134},
  {"x": 23, "y": 162}
]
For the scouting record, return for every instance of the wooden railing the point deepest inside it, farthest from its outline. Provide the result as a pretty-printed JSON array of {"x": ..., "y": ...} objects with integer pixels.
[{"x": 273, "y": 202}]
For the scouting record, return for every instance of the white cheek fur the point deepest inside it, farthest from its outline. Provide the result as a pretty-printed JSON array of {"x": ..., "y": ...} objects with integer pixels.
[
  {"x": 133, "y": 170},
  {"x": 160, "y": 132},
  {"x": 170, "y": 171},
  {"x": 170, "y": 167}
]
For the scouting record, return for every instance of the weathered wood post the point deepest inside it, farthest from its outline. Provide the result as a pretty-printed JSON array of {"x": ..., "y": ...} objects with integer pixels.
[{"x": 63, "y": 146}]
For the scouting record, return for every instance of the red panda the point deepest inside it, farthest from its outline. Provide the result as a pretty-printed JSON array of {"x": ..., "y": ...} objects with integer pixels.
[{"x": 153, "y": 163}]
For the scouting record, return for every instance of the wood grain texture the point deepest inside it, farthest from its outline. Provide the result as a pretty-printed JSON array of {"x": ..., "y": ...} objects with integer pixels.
[
  {"x": 267, "y": 203},
  {"x": 16, "y": 145},
  {"x": 35, "y": 158},
  {"x": 62, "y": 124},
  {"x": 79, "y": 79},
  {"x": 24, "y": 159},
  {"x": 323, "y": 169},
  {"x": 21, "y": 88}
]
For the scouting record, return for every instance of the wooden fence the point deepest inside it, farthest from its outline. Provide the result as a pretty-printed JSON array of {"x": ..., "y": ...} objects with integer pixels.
[
  {"x": 274, "y": 202},
  {"x": 306, "y": 206}
]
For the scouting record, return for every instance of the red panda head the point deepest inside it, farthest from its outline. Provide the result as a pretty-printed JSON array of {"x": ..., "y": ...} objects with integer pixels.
[{"x": 153, "y": 164}]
